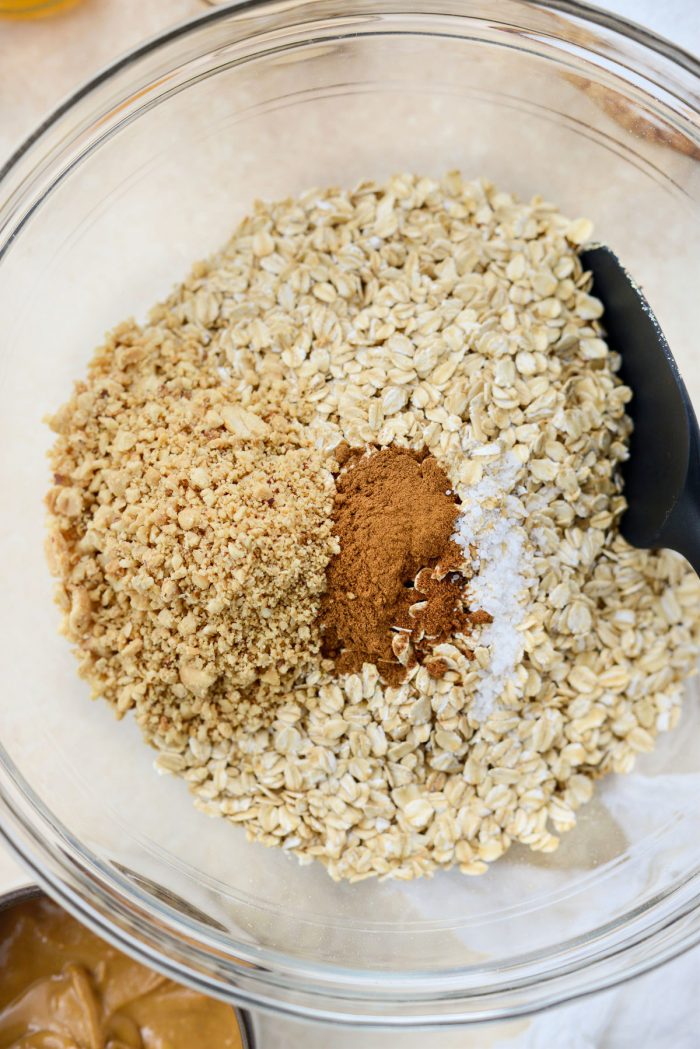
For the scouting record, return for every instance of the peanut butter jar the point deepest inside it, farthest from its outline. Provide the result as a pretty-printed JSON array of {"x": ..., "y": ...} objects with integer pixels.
[{"x": 61, "y": 985}]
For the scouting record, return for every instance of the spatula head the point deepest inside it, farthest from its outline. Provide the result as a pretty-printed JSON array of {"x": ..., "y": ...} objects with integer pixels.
[{"x": 665, "y": 429}]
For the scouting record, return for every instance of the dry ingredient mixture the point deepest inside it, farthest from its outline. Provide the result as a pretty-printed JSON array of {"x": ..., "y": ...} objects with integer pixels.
[{"x": 340, "y": 524}]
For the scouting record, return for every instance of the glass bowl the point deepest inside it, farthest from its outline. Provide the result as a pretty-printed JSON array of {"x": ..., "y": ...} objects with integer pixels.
[{"x": 148, "y": 168}]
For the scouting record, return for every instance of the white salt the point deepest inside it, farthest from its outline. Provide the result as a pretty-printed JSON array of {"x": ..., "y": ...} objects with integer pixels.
[{"x": 489, "y": 520}]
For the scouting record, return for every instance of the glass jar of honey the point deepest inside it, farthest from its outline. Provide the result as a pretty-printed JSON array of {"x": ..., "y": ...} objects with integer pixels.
[{"x": 33, "y": 8}]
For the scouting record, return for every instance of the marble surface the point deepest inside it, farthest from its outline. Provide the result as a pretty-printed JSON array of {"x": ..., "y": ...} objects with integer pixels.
[{"x": 41, "y": 62}]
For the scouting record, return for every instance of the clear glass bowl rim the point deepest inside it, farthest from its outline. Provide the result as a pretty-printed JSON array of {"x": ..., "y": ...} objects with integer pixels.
[{"x": 261, "y": 977}]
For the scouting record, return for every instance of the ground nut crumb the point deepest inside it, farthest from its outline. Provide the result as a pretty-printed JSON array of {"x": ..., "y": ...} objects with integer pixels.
[{"x": 190, "y": 535}]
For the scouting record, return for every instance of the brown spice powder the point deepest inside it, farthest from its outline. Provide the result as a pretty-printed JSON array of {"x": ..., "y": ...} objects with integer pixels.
[
  {"x": 437, "y": 608},
  {"x": 398, "y": 585}
]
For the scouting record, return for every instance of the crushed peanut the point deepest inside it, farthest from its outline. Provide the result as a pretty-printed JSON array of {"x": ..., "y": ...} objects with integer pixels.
[{"x": 191, "y": 536}]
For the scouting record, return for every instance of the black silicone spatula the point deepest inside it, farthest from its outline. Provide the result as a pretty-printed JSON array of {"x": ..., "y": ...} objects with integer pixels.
[{"x": 662, "y": 474}]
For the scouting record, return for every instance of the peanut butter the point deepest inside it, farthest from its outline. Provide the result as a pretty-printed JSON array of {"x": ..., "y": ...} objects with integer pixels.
[{"x": 61, "y": 987}]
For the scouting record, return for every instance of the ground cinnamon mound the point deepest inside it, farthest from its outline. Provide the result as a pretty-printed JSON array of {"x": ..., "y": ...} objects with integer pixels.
[
  {"x": 437, "y": 607},
  {"x": 398, "y": 585}
]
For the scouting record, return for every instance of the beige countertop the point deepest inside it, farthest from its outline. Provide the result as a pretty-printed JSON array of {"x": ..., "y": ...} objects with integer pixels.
[{"x": 40, "y": 63}]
